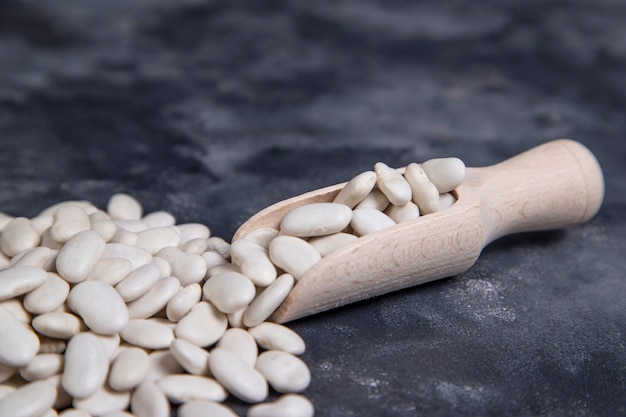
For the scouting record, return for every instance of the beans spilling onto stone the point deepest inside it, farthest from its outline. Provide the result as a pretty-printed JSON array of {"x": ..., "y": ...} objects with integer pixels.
[{"x": 116, "y": 313}]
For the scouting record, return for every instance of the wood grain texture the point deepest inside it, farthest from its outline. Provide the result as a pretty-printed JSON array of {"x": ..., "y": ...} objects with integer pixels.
[{"x": 554, "y": 185}]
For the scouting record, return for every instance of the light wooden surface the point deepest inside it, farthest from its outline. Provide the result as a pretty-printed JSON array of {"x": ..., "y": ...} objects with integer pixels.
[{"x": 554, "y": 185}]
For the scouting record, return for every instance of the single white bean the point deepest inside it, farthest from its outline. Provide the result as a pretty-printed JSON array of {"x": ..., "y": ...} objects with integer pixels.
[
  {"x": 19, "y": 343},
  {"x": 268, "y": 301},
  {"x": 154, "y": 300},
  {"x": 103, "y": 401},
  {"x": 124, "y": 207},
  {"x": 148, "y": 334},
  {"x": 229, "y": 291},
  {"x": 102, "y": 309},
  {"x": 110, "y": 271},
  {"x": 316, "y": 219},
  {"x": 375, "y": 199},
  {"x": 17, "y": 236},
  {"x": 446, "y": 200},
  {"x": 58, "y": 325},
  {"x": 241, "y": 343},
  {"x": 183, "y": 388},
  {"x": 148, "y": 401},
  {"x": 157, "y": 238},
  {"x": 273, "y": 336},
  {"x": 203, "y": 408},
  {"x": 254, "y": 262},
  {"x": 47, "y": 297},
  {"x": 403, "y": 213},
  {"x": 240, "y": 379},
  {"x": 262, "y": 236},
  {"x": 425, "y": 193},
  {"x": 445, "y": 173},
  {"x": 188, "y": 268},
  {"x": 20, "y": 280},
  {"x": 391, "y": 183},
  {"x": 192, "y": 358},
  {"x": 181, "y": 303},
  {"x": 190, "y": 231},
  {"x": 366, "y": 221},
  {"x": 289, "y": 405},
  {"x": 356, "y": 189},
  {"x": 203, "y": 326},
  {"x": 294, "y": 255},
  {"x": 68, "y": 221},
  {"x": 86, "y": 366},
  {"x": 80, "y": 255},
  {"x": 284, "y": 371},
  {"x": 328, "y": 244},
  {"x": 159, "y": 219},
  {"x": 162, "y": 364},
  {"x": 138, "y": 282},
  {"x": 136, "y": 256},
  {"x": 128, "y": 369},
  {"x": 42, "y": 366},
  {"x": 31, "y": 400}
]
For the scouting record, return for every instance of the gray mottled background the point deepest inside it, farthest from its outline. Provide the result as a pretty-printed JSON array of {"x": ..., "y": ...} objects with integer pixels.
[{"x": 214, "y": 109}]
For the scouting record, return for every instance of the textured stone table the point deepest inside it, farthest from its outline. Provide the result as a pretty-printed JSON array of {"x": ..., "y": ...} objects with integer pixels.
[{"x": 214, "y": 110}]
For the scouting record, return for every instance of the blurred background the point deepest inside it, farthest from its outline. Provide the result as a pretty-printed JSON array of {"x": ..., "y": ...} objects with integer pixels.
[{"x": 213, "y": 110}]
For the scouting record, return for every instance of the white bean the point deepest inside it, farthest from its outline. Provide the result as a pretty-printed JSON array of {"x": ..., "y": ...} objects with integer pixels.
[
  {"x": 195, "y": 246},
  {"x": 366, "y": 221},
  {"x": 317, "y": 219},
  {"x": 236, "y": 319},
  {"x": 284, "y": 371},
  {"x": 138, "y": 282},
  {"x": 79, "y": 256},
  {"x": 183, "y": 388},
  {"x": 375, "y": 199},
  {"x": 213, "y": 259},
  {"x": 203, "y": 326},
  {"x": 268, "y": 301},
  {"x": 241, "y": 343},
  {"x": 154, "y": 300},
  {"x": 203, "y": 408},
  {"x": 219, "y": 245},
  {"x": 102, "y": 309},
  {"x": 136, "y": 256},
  {"x": 293, "y": 255},
  {"x": 181, "y": 303},
  {"x": 31, "y": 400},
  {"x": 102, "y": 224},
  {"x": 262, "y": 236},
  {"x": 162, "y": 364},
  {"x": 254, "y": 262},
  {"x": 17, "y": 310},
  {"x": 240, "y": 379},
  {"x": 273, "y": 336},
  {"x": 446, "y": 200},
  {"x": 110, "y": 270},
  {"x": 425, "y": 193},
  {"x": 124, "y": 237},
  {"x": 124, "y": 207},
  {"x": 63, "y": 399},
  {"x": 391, "y": 183},
  {"x": 188, "y": 268},
  {"x": 328, "y": 244},
  {"x": 148, "y": 401},
  {"x": 20, "y": 280},
  {"x": 110, "y": 343},
  {"x": 159, "y": 219},
  {"x": 32, "y": 257},
  {"x": 148, "y": 334},
  {"x": 103, "y": 401},
  {"x": 189, "y": 231},
  {"x": 157, "y": 238},
  {"x": 19, "y": 343},
  {"x": 356, "y": 189},
  {"x": 47, "y": 297},
  {"x": 57, "y": 325},
  {"x": 17, "y": 236},
  {"x": 289, "y": 405},
  {"x": 128, "y": 369},
  {"x": 163, "y": 265},
  {"x": 86, "y": 366},
  {"x": 445, "y": 173},
  {"x": 229, "y": 291},
  {"x": 42, "y": 366},
  {"x": 68, "y": 221},
  {"x": 403, "y": 213},
  {"x": 192, "y": 358}
]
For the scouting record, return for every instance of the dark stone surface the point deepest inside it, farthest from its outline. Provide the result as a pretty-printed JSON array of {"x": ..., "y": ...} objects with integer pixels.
[{"x": 213, "y": 110}]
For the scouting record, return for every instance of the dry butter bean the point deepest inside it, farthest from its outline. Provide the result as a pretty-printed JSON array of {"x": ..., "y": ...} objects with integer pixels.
[
  {"x": 241, "y": 344},
  {"x": 68, "y": 221},
  {"x": 148, "y": 401},
  {"x": 213, "y": 259},
  {"x": 356, "y": 189},
  {"x": 328, "y": 244},
  {"x": 20, "y": 280},
  {"x": 268, "y": 301},
  {"x": 183, "y": 388},
  {"x": 203, "y": 408},
  {"x": 103, "y": 401},
  {"x": 195, "y": 246},
  {"x": 86, "y": 366},
  {"x": 236, "y": 319},
  {"x": 57, "y": 325},
  {"x": 227, "y": 267},
  {"x": 403, "y": 213},
  {"x": 376, "y": 200},
  {"x": 317, "y": 219},
  {"x": 182, "y": 302},
  {"x": 284, "y": 371},
  {"x": 272, "y": 336},
  {"x": 162, "y": 364},
  {"x": 136, "y": 256},
  {"x": 203, "y": 326},
  {"x": 262, "y": 236},
  {"x": 293, "y": 255},
  {"x": 19, "y": 343},
  {"x": 125, "y": 237},
  {"x": 32, "y": 257},
  {"x": 229, "y": 291},
  {"x": 42, "y": 366},
  {"x": 110, "y": 270},
  {"x": 254, "y": 262},
  {"x": 446, "y": 200},
  {"x": 124, "y": 207},
  {"x": 189, "y": 231},
  {"x": 425, "y": 193},
  {"x": 159, "y": 219},
  {"x": 391, "y": 183},
  {"x": 31, "y": 400},
  {"x": 157, "y": 238},
  {"x": 445, "y": 173},
  {"x": 148, "y": 334},
  {"x": 163, "y": 265},
  {"x": 138, "y": 282},
  {"x": 47, "y": 297},
  {"x": 240, "y": 379},
  {"x": 128, "y": 369},
  {"x": 17, "y": 236},
  {"x": 366, "y": 221},
  {"x": 192, "y": 358},
  {"x": 289, "y": 405},
  {"x": 188, "y": 268},
  {"x": 17, "y": 310},
  {"x": 101, "y": 223},
  {"x": 102, "y": 309},
  {"x": 79, "y": 256},
  {"x": 154, "y": 300}
]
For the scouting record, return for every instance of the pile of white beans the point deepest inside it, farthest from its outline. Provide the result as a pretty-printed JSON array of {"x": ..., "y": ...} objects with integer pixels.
[{"x": 116, "y": 313}]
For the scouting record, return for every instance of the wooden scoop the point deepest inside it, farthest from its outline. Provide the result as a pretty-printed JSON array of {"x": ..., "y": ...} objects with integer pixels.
[{"x": 554, "y": 185}]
